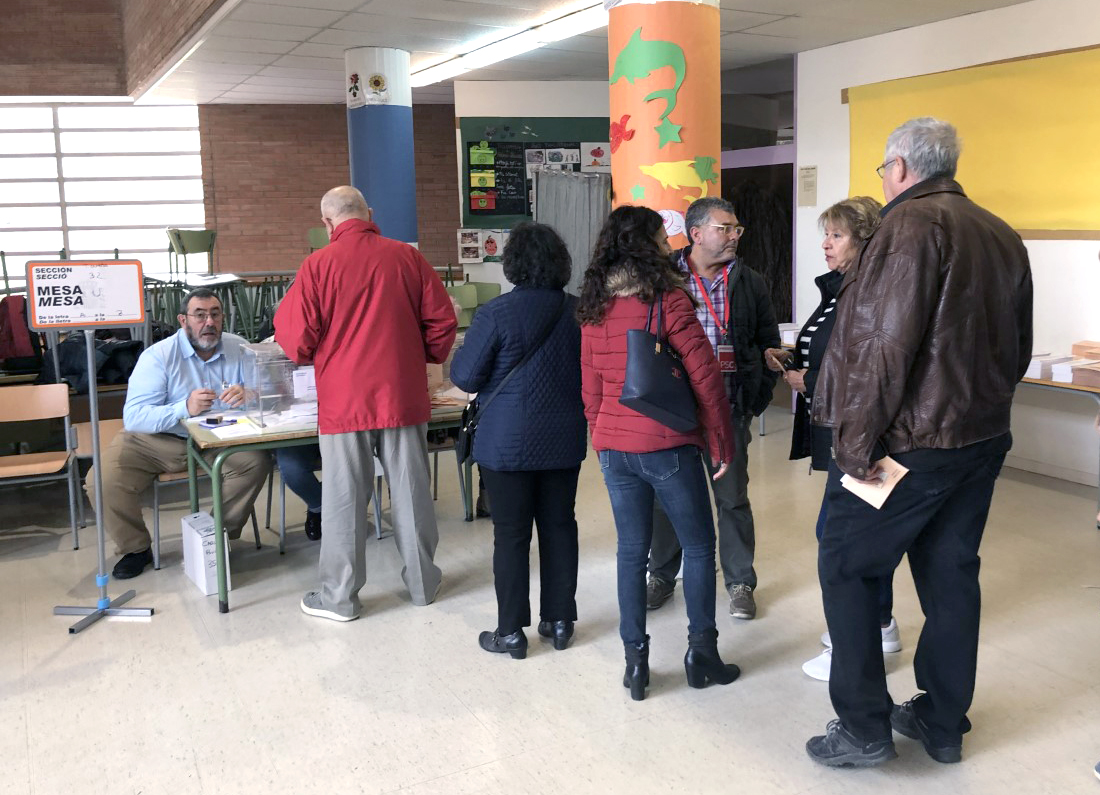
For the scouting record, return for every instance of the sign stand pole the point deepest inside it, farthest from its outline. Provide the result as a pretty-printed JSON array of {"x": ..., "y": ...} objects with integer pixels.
[
  {"x": 81, "y": 296},
  {"x": 105, "y": 606}
]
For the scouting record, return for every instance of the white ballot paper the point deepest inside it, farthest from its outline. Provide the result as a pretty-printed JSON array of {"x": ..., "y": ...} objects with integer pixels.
[{"x": 876, "y": 494}]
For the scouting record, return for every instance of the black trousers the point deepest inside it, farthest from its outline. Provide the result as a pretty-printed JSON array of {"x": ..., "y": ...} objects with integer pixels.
[
  {"x": 936, "y": 514},
  {"x": 547, "y": 498}
]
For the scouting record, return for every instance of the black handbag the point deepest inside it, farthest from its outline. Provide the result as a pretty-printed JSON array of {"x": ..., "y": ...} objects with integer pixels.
[
  {"x": 471, "y": 415},
  {"x": 656, "y": 385}
]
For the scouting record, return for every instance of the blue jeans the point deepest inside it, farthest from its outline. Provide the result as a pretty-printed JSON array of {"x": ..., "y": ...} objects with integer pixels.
[
  {"x": 296, "y": 466},
  {"x": 678, "y": 479}
]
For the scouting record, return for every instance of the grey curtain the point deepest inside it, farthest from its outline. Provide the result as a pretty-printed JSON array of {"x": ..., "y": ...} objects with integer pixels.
[{"x": 576, "y": 204}]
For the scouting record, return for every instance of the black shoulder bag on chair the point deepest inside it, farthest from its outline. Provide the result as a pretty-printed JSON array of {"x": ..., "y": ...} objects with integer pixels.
[
  {"x": 656, "y": 384},
  {"x": 471, "y": 415}
]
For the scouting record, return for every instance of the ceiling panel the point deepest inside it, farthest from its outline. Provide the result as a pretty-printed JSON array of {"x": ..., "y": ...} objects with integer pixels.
[
  {"x": 334, "y": 5},
  {"x": 377, "y": 24},
  {"x": 250, "y": 11},
  {"x": 293, "y": 50},
  {"x": 263, "y": 30},
  {"x": 454, "y": 11},
  {"x": 735, "y": 19},
  {"x": 231, "y": 44}
]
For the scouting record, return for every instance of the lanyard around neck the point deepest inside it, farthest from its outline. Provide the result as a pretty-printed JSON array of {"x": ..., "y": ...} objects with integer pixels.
[{"x": 722, "y": 326}]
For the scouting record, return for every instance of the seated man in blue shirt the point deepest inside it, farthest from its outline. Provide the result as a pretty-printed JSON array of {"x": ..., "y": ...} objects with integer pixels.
[{"x": 194, "y": 370}]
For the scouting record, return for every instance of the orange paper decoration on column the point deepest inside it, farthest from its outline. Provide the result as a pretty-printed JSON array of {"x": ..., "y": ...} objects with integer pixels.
[{"x": 666, "y": 106}]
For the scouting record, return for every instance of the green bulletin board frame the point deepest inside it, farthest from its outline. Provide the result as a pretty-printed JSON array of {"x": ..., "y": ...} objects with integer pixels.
[{"x": 526, "y": 130}]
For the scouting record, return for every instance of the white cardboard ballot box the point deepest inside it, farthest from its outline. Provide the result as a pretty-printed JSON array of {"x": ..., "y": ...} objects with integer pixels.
[{"x": 200, "y": 560}]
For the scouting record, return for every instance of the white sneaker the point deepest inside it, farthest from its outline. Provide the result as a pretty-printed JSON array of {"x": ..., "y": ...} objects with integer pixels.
[
  {"x": 818, "y": 668},
  {"x": 891, "y": 638}
]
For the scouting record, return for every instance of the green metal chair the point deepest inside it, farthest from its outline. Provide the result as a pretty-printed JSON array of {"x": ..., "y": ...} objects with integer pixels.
[
  {"x": 486, "y": 291},
  {"x": 466, "y": 295},
  {"x": 191, "y": 241},
  {"x": 318, "y": 238}
]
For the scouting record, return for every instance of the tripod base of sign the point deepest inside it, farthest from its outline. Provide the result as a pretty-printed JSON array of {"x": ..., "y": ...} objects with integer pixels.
[{"x": 93, "y": 614}]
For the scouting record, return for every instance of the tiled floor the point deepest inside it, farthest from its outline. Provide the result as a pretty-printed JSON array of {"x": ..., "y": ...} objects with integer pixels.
[{"x": 268, "y": 700}]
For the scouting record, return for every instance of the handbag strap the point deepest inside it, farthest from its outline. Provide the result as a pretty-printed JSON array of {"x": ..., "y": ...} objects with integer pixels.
[
  {"x": 659, "y": 334},
  {"x": 526, "y": 357}
]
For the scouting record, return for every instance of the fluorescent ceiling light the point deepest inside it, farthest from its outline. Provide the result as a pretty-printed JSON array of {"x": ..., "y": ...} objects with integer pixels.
[
  {"x": 438, "y": 73},
  {"x": 531, "y": 39},
  {"x": 62, "y": 100}
]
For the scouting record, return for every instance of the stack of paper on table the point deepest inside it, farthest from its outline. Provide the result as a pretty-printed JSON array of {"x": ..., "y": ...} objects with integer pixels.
[
  {"x": 1087, "y": 375},
  {"x": 450, "y": 397},
  {"x": 1041, "y": 365},
  {"x": 1063, "y": 371}
]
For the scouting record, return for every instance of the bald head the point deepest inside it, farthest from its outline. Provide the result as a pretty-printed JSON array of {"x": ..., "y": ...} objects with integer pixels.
[{"x": 342, "y": 203}]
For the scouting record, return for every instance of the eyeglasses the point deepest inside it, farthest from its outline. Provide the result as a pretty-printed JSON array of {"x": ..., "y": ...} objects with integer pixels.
[
  {"x": 727, "y": 229},
  {"x": 202, "y": 317},
  {"x": 881, "y": 170}
]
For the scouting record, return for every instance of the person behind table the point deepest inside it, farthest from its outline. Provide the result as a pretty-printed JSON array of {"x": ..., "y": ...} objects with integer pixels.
[
  {"x": 194, "y": 370},
  {"x": 640, "y": 458},
  {"x": 369, "y": 313},
  {"x": 733, "y": 304},
  {"x": 847, "y": 224},
  {"x": 531, "y": 439},
  {"x": 933, "y": 332}
]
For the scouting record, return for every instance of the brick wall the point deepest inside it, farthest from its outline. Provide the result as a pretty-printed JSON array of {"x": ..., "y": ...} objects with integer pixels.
[
  {"x": 152, "y": 31},
  {"x": 59, "y": 47},
  {"x": 265, "y": 168}
]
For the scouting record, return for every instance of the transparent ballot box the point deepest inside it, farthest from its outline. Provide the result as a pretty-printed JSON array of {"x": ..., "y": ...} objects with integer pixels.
[{"x": 279, "y": 394}]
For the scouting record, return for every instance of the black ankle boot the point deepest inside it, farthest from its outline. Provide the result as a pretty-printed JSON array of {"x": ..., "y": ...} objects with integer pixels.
[
  {"x": 636, "y": 677},
  {"x": 702, "y": 663},
  {"x": 561, "y": 632},
  {"x": 514, "y": 644}
]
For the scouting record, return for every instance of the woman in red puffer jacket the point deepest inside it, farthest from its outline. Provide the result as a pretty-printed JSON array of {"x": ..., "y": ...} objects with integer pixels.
[{"x": 639, "y": 456}]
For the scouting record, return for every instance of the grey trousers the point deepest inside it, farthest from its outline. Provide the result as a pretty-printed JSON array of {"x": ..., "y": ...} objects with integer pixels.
[
  {"x": 736, "y": 529},
  {"x": 348, "y": 460}
]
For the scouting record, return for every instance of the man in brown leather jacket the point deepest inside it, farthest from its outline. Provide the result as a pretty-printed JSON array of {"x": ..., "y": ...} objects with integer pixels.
[{"x": 933, "y": 332}]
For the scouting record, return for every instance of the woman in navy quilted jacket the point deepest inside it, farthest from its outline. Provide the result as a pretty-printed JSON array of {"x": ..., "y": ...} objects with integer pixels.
[
  {"x": 642, "y": 459},
  {"x": 530, "y": 440}
]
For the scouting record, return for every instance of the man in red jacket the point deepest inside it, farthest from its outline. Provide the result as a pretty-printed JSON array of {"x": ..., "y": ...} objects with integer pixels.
[{"x": 368, "y": 313}]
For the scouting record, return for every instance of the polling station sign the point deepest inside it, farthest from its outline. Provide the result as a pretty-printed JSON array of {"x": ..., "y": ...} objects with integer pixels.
[{"x": 82, "y": 294}]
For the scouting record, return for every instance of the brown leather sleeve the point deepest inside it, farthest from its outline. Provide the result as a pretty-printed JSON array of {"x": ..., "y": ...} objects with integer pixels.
[{"x": 894, "y": 294}]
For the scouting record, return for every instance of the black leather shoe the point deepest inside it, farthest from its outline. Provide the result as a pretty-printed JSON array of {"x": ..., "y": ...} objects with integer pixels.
[
  {"x": 313, "y": 525},
  {"x": 561, "y": 632},
  {"x": 904, "y": 720},
  {"x": 132, "y": 564},
  {"x": 636, "y": 675},
  {"x": 658, "y": 591},
  {"x": 514, "y": 644},
  {"x": 481, "y": 509}
]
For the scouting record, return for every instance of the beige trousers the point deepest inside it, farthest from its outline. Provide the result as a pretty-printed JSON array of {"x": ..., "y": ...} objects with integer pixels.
[{"x": 132, "y": 462}]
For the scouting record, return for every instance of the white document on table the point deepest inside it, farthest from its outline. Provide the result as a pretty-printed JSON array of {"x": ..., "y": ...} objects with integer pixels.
[
  {"x": 242, "y": 427},
  {"x": 875, "y": 494}
]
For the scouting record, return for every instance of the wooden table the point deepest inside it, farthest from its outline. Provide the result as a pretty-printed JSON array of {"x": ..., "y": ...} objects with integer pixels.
[{"x": 201, "y": 439}]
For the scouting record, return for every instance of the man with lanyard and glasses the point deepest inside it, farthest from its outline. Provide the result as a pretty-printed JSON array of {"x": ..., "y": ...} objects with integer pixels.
[{"x": 735, "y": 310}]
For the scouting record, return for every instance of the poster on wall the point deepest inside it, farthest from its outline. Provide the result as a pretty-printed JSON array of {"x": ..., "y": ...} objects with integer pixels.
[
  {"x": 469, "y": 245},
  {"x": 596, "y": 156}
]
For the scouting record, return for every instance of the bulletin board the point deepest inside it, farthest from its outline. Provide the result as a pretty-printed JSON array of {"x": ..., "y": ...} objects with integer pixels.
[
  {"x": 1029, "y": 129},
  {"x": 497, "y": 154}
]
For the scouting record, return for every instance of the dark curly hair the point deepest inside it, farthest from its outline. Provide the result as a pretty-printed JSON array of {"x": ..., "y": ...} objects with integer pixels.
[
  {"x": 536, "y": 256},
  {"x": 627, "y": 243}
]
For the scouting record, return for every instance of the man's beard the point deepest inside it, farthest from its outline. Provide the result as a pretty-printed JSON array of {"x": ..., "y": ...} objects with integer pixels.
[{"x": 198, "y": 344}]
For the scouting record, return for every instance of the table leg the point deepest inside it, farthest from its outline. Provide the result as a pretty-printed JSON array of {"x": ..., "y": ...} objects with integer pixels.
[
  {"x": 192, "y": 476},
  {"x": 219, "y": 529}
]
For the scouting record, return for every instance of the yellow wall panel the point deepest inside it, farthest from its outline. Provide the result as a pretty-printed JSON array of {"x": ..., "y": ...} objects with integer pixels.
[{"x": 1030, "y": 131}]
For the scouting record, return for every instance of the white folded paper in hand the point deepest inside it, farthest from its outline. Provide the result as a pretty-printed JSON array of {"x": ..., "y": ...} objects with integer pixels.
[{"x": 875, "y": 494}]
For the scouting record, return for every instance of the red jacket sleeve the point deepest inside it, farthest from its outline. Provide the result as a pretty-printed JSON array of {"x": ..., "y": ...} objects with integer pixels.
[
  {"x": 438, "y": 324},
  {"x": 591, "y": 382},
  {"x": 298, "y": 318},
  {"x": 688, "y": 339}
]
